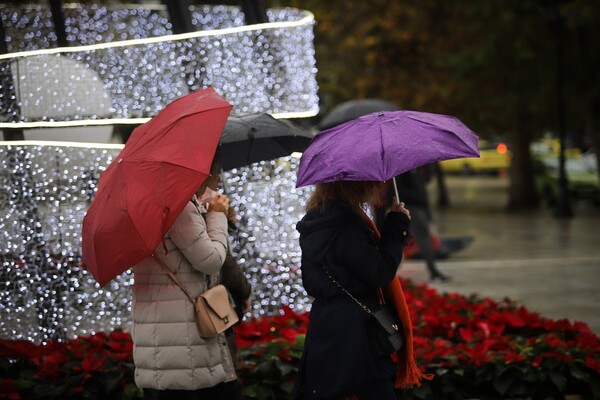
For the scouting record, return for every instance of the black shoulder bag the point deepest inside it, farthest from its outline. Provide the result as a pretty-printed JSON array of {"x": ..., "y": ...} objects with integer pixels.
[{"x": 385, "y": 329}]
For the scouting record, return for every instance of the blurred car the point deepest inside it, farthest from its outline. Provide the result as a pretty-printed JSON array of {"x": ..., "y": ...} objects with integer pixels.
[
  {"x": 550, "y": 147},
  {"x": 582, "y": 177},
  {"x": 494, "y": 158}
]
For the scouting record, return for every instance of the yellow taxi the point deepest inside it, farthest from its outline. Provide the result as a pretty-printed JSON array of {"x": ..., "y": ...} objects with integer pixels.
[{"x": 494, "y": 159}]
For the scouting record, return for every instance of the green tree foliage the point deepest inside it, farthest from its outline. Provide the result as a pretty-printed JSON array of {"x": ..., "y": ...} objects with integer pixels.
[{"x": 491, "y": 63}]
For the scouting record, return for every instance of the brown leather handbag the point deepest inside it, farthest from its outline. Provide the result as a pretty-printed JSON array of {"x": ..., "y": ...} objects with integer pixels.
[{"x": 213, "y": 310}]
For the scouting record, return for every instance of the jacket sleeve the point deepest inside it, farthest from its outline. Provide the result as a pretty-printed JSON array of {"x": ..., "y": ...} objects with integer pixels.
[
  {"x": 203, "y": 242},
  {"x": 235, "y": 280},
  {"x": 374, "y": 263}
]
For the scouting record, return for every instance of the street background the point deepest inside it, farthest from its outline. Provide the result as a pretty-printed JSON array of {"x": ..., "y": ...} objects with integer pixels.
[{"x": 549, "y": 265}]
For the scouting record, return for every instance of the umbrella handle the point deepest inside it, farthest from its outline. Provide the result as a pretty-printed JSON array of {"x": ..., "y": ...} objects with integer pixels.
[{"x": 396, "y": 190}]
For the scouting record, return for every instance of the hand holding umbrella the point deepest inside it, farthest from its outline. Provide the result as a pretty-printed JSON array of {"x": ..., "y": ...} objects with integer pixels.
[
  {"x": 399, "y": 207},
  {"x": 220, "y": 204}
]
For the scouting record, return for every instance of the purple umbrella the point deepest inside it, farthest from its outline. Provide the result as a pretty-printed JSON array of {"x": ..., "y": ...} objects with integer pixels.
[{"x": 381, "y": 145}]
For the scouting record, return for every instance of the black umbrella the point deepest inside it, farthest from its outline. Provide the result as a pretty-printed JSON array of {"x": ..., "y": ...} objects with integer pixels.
[
  {"x": 353, "y": 109},
  {"x": 250, "y": 138}
]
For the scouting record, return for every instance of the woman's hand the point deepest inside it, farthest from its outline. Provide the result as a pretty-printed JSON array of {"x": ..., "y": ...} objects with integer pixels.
[
  {"x": 399, "y": 207},
  {"x": 246, "y": 306},
  {"x": 231, "y": 216},
  {"x": 220, "y": 204}
]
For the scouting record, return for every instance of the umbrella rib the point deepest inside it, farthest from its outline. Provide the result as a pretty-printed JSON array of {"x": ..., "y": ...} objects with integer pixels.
[{"x": 383, "y": 152}]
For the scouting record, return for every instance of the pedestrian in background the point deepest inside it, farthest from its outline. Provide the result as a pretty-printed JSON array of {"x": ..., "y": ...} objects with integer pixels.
[
  {"x": 235, "y": 280},
  {"x": 412, "y": 191}
]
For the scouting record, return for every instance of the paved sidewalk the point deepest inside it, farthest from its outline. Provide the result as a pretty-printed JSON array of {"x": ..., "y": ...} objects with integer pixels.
[{"x": 549, "y": 265}]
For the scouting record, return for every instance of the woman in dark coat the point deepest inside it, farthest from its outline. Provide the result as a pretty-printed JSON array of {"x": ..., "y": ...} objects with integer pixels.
[{"x": 336, "y": 235}]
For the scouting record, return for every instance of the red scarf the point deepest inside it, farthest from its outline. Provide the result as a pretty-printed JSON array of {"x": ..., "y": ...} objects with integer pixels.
[{"x": 408, "y": 374}]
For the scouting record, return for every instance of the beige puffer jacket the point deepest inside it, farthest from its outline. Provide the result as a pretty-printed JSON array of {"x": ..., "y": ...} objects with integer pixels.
[{"x": 168, "y": 352}]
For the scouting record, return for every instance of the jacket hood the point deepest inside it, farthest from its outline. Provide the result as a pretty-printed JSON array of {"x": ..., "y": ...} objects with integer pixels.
[{"x": 319, "y": 227}]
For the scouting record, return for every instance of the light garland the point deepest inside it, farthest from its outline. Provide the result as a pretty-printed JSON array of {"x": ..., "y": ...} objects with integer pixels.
[
  {"x": 130, "y": 67},
  {"x": 45, "y": 190},
  {"x": 126, "y": 65}
]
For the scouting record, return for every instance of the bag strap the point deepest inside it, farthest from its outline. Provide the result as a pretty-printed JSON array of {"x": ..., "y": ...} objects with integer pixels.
[
  {"x": 172, "y": 276},
  {"x": 364, "y": 307}
]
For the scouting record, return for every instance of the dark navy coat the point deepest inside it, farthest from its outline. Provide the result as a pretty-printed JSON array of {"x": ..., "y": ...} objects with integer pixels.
[{"x": 337, "y": 358}]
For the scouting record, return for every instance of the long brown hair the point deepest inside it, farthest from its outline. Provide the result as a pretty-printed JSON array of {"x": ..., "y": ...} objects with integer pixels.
[{"x": 353, "y": 193}]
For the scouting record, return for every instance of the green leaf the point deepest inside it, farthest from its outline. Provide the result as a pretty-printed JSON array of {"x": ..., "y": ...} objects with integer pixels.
[
  {"x": 250, "y": 391},
  {"x": 110, "y": 381},
  {"x": 131, "y": 391},
  {"x": 264, "y": 393},
  {"x": 284, "y": 369},
  {"x": 521, "y": 389},
  {"x": 558, "y": 379},
  {"x": 579, "y": 374},
  {"x": 48, "y": 391},
  {"x": 300, "y": 339},
  {"x": 287, "y": 387},
  {"x": 265, "y": 367},
  {"x": 528, "y": 374},
  {"x": 503, "y": 381},
  {"x": 24, "y": 384},
  {"x": 423, "y": 392},
  {"x": 484, "y": 374}
]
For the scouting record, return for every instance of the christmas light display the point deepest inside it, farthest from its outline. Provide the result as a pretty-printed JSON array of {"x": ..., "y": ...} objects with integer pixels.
[
  {"x": 259, "y": 68},
  {"x": 45, "y": 190},
  {"x": 123, "y": 66}
]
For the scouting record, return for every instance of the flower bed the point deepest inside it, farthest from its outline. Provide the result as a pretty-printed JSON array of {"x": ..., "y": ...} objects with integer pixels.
[
  {"x": 476, "y": 347},
  {"x": 94, "y": 367}
]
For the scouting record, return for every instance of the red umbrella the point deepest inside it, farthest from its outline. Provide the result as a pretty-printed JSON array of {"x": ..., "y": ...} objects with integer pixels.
[{"x": 148, "y": 184}]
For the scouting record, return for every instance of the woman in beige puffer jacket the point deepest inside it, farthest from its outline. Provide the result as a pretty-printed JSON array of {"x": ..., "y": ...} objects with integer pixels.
[{"x": 170, "y": 357}]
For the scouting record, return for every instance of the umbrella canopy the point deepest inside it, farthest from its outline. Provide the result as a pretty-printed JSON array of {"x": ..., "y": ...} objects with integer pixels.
[
  {"x": 381, "y": 145},
  {"x": 353, "y": 109},
  {"x": 147, "y": 185},
  {"x": 250, "y": 138}
]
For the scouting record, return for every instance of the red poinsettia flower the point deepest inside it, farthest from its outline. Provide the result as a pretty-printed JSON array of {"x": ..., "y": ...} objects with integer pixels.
[
  {"x": 93, "y": 362},
  {"x": 593, "y": 364},
  {"x": 8, "y": 390},
  {"x": 560, "y": 356},
  {"x": 511, "y": 356},
  {"x": 17, "y": 349},
  {"x": 553, "y": 341},
  {"x": 51, "y": 365},
  {"x": 450, "y": 331},
  {"x": 120, "y": 336},
  {"x": 284, "y": 355},
  {"x": 289, "y": 334}
]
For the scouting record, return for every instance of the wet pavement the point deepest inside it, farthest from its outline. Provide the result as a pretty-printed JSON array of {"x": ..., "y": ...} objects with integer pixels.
[{"x": 549, "y": 265}]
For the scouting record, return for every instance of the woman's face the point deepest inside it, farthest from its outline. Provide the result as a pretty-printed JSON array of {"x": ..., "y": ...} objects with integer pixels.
[
  {"x": 212, "y": 181},
  {"x": 379, "y": 195}
]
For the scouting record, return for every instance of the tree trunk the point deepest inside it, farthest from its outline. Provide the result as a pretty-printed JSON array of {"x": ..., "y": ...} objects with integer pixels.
[
  {"x": 593, "y": 129},
  {"x": 522, "y": 192}
]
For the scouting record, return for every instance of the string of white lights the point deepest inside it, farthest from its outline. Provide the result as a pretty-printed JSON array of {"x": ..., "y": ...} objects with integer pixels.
[
  {"x": 45, "y": 190},
  {"x": 266, "y": 67}
]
